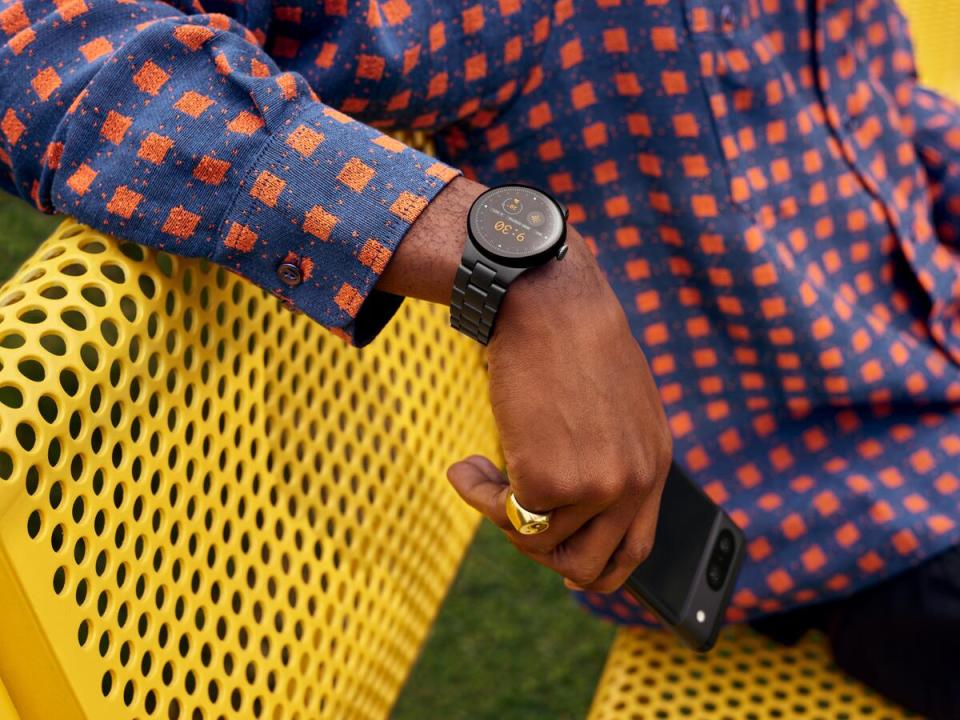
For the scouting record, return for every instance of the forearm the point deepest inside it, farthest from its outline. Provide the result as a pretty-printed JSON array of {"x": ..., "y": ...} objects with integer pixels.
[{"x": 425, "y": 262}]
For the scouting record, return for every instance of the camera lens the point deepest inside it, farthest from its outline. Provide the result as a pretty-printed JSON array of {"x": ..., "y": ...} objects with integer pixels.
[
  {"x": 725, "y": 544},
  {"x": 715, "y": 576}
]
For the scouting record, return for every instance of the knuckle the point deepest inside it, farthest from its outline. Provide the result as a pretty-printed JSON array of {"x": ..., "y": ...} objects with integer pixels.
[
  {"x": 605, "y": 489},
  {"x": 651, "y": 472},
  {"x": 539, "y": 498},
  {"x": 580, "y": 577},
  {"x": 640, "y": 545},
  {"x": 536, "y": 491},
  {"x": 663, "y": 467},
  {"x": 529, "y": 546},
  {"x": 666, "y": 444},
  {"x": 584, "y": 573},
  {"x": 642, "y": 478},
  {"x": 521, "y": 462},
  {"x": 537, "y": 545},
  {"x": 536, "y": 548},
  {"x": 607, "y": 584},
  {"x": 635, "y": 553}
]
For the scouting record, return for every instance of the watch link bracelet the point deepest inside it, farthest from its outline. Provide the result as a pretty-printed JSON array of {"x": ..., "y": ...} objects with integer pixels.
[{"x": 510, "y": 228}]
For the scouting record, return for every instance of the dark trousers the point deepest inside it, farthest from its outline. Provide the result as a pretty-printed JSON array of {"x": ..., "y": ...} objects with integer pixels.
[{"x": 900, "y": 637}]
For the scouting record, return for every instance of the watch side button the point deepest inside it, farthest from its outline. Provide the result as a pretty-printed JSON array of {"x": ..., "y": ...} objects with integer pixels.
[{"x": 562, "y": 251}]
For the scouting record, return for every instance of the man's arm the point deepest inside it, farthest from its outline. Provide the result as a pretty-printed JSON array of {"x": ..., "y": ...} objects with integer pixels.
[
  {"x": 177, "y": 131},
  {"x": 173, "y": 128},
  {"x": 580, "y": 420}
]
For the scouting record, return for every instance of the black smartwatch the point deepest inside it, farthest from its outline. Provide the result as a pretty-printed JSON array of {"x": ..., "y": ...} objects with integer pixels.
[{"x": 510, "y": 228}]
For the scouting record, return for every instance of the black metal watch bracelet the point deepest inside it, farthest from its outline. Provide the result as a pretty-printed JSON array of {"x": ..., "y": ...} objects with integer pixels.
[{"x": 475, "y": 300}]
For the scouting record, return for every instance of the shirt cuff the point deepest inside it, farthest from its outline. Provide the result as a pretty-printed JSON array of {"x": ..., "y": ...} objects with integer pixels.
[{"x": 321, "y": 212}]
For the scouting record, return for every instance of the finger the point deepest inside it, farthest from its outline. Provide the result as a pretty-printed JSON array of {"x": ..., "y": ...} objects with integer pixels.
[
  {"x": 585, "y": 555},
  {"x": 564, "y": 524},
  {"x": 565, "y": 519},
  {"x": 635, "y": 547},
  {"x": 483, "y": 487},
  {"x": 582, "y": 558}
]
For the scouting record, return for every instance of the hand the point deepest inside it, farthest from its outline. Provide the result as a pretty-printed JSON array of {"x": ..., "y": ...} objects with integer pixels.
[
  {"x": 580, "y": 419},
  {"x": 582, "y": 428}
]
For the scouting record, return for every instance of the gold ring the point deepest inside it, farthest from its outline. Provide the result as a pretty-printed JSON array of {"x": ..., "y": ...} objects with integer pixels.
[{"x": 526, "y": 522}]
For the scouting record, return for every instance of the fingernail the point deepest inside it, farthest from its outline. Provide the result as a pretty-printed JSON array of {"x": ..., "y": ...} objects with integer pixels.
[
  {"x": 483, "y": 466},
  {"x": 458, "y": 470}
]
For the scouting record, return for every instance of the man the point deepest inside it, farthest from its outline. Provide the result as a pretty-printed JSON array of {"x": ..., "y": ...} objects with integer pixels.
[{"x": 768, "y": 205}]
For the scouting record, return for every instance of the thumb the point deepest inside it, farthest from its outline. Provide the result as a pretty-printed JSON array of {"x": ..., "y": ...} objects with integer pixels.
[{"x": 482, "y": 486}]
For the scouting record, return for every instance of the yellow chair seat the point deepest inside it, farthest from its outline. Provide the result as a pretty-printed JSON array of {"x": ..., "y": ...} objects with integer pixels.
[
  {"x": 745, "y": 677},
  {"x": 210, "y": 507}
]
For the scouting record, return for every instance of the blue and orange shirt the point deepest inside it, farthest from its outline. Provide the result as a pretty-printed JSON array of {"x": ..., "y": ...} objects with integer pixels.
[{"x": 771, "y": 194}]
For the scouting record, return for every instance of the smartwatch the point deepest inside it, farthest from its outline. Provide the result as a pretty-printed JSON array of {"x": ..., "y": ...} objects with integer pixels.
[{"x": 510, "y": 229}]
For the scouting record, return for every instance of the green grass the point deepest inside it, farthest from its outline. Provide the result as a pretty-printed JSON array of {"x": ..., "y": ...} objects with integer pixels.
[
  {"x": 23, "y": 228},
  {"x": 508, "y": 643}
]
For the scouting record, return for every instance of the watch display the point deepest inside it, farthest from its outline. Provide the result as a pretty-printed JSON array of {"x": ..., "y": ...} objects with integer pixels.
[
  {"x": 511, "y": 229},
  {"x": 515, "y": 222}
]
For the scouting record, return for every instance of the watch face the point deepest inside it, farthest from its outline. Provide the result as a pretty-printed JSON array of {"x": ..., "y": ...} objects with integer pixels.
[{"x": 515, "y": 222}]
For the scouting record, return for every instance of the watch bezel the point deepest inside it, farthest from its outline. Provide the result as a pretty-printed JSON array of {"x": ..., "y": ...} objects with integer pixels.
[{"x": 530, "y": 260}]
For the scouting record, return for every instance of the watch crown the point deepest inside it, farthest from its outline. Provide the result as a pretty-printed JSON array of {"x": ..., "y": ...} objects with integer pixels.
[{"x": 562, "y": 251}]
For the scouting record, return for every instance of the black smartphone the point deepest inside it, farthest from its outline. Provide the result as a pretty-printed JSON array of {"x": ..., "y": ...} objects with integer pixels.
[{"x": 689, "y": 576}]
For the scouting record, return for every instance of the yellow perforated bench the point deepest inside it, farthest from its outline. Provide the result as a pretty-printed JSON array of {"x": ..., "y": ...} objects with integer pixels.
[
  {"x": 745, "y": 677},
  {"x": 209, "y": 506}
]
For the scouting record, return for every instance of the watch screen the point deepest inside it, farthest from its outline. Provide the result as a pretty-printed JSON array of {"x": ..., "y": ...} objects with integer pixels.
[{"x": 515, "y": 222}]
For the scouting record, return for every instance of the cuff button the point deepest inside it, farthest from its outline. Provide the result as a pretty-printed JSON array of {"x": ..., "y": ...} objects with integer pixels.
[{"x": 289, "y": 274}]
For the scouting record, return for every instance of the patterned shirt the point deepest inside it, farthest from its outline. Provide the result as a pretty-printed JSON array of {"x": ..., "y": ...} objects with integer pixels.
[{"x": 772, "y": 196}]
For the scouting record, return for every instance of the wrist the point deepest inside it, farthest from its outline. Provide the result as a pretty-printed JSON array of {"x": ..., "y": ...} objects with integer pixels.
[
  {"x": 426, "y": 260},
  {"x": 544, "y": 299},
  {"x": 558, "y": 295}
]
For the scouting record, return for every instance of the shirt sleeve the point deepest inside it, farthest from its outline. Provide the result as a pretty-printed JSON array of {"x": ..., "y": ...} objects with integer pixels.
[{"x": 174, "y": 128}]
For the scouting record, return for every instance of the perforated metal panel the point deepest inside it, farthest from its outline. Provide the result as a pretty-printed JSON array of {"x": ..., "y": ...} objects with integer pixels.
[
  {"x": 746, "y": 677},
  {"x": 209, "y": 506}
]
